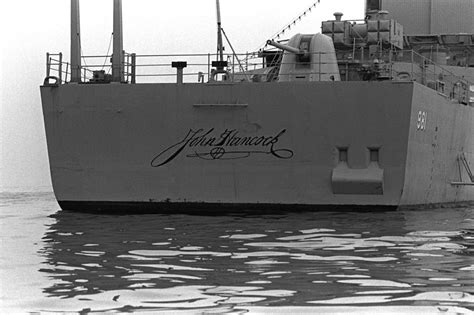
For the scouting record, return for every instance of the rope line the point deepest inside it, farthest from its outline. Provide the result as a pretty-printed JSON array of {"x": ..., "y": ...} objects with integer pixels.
[
  {"x": 278, "y": 34},
  {"x": 108, "y": 50}
]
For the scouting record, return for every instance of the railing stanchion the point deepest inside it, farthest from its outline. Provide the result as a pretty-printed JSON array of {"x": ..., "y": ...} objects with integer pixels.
[
  {"x": 391, "y": 63},
  {"x": 126, "y": 67},
  {"x": 247, "y": 61},
  {"x": 208, "y": 67},
  {"x": 48, "y": 65},
  {"x": 134, "y": 64},
  {"x": 60, "y": 68},
  {"x": 319, "y": 66}
]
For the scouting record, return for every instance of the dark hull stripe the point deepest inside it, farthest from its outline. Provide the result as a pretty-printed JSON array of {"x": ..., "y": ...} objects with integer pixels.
[{"x": 114, "y": 207}]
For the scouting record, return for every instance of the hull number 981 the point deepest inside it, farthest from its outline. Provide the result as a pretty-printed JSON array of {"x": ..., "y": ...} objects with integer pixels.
[{"x": 421, "y": 122}]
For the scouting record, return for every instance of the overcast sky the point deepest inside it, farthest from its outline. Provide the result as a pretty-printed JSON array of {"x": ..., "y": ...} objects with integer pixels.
[{"x": 31, "y": 28}]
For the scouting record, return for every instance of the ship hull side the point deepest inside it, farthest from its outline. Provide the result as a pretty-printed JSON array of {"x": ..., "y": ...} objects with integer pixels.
[
  {"x": 152, "y": 143},
  {"x": 433, "y": 150}
]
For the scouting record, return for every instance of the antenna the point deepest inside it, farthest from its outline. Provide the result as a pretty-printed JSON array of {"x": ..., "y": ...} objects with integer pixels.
[
  {"x": 117, "y": 56},
  {"x": 293, "y": 22},
  {"x": 220, "y": 47},
  {"x": 75, "y": 42}
]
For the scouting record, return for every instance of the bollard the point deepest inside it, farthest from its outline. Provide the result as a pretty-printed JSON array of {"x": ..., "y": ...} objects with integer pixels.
[{"x": 179, "y": 65}]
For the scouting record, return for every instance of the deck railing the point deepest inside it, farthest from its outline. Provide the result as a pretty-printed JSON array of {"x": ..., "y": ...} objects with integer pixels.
[
  {"x": 56, "y": 68},
  {"x": 391, "y": 65}
]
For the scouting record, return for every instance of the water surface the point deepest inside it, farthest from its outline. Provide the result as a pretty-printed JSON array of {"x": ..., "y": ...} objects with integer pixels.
[{"x": 411, "y": 261}]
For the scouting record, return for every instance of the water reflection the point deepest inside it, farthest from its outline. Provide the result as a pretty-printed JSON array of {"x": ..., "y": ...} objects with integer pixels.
[{"x": 236, "y": 263}]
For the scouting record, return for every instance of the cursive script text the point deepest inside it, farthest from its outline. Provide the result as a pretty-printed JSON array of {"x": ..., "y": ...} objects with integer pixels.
[{"x": 227, "y": 145}]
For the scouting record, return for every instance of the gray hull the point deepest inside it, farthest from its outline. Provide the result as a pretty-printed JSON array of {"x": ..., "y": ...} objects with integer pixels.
[{"x": 300, "y": 144}]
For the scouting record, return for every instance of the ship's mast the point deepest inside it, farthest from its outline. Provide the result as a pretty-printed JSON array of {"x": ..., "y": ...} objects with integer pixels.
[
  {"x": 75, "y": 42},
  {"x": 117, "y": 56},
  {"x": 220, "y": 47}
]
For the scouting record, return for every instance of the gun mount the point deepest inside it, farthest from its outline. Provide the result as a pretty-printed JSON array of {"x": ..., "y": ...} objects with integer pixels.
[{"x": 286, "y": 47}]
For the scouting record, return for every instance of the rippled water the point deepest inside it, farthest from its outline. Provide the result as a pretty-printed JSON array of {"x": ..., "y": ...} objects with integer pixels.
[{"x": 375, "y": 262}]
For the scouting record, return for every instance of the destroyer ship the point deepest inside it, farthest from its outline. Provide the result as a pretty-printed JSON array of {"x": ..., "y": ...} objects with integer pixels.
[{"x": 376, "y": 112}]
